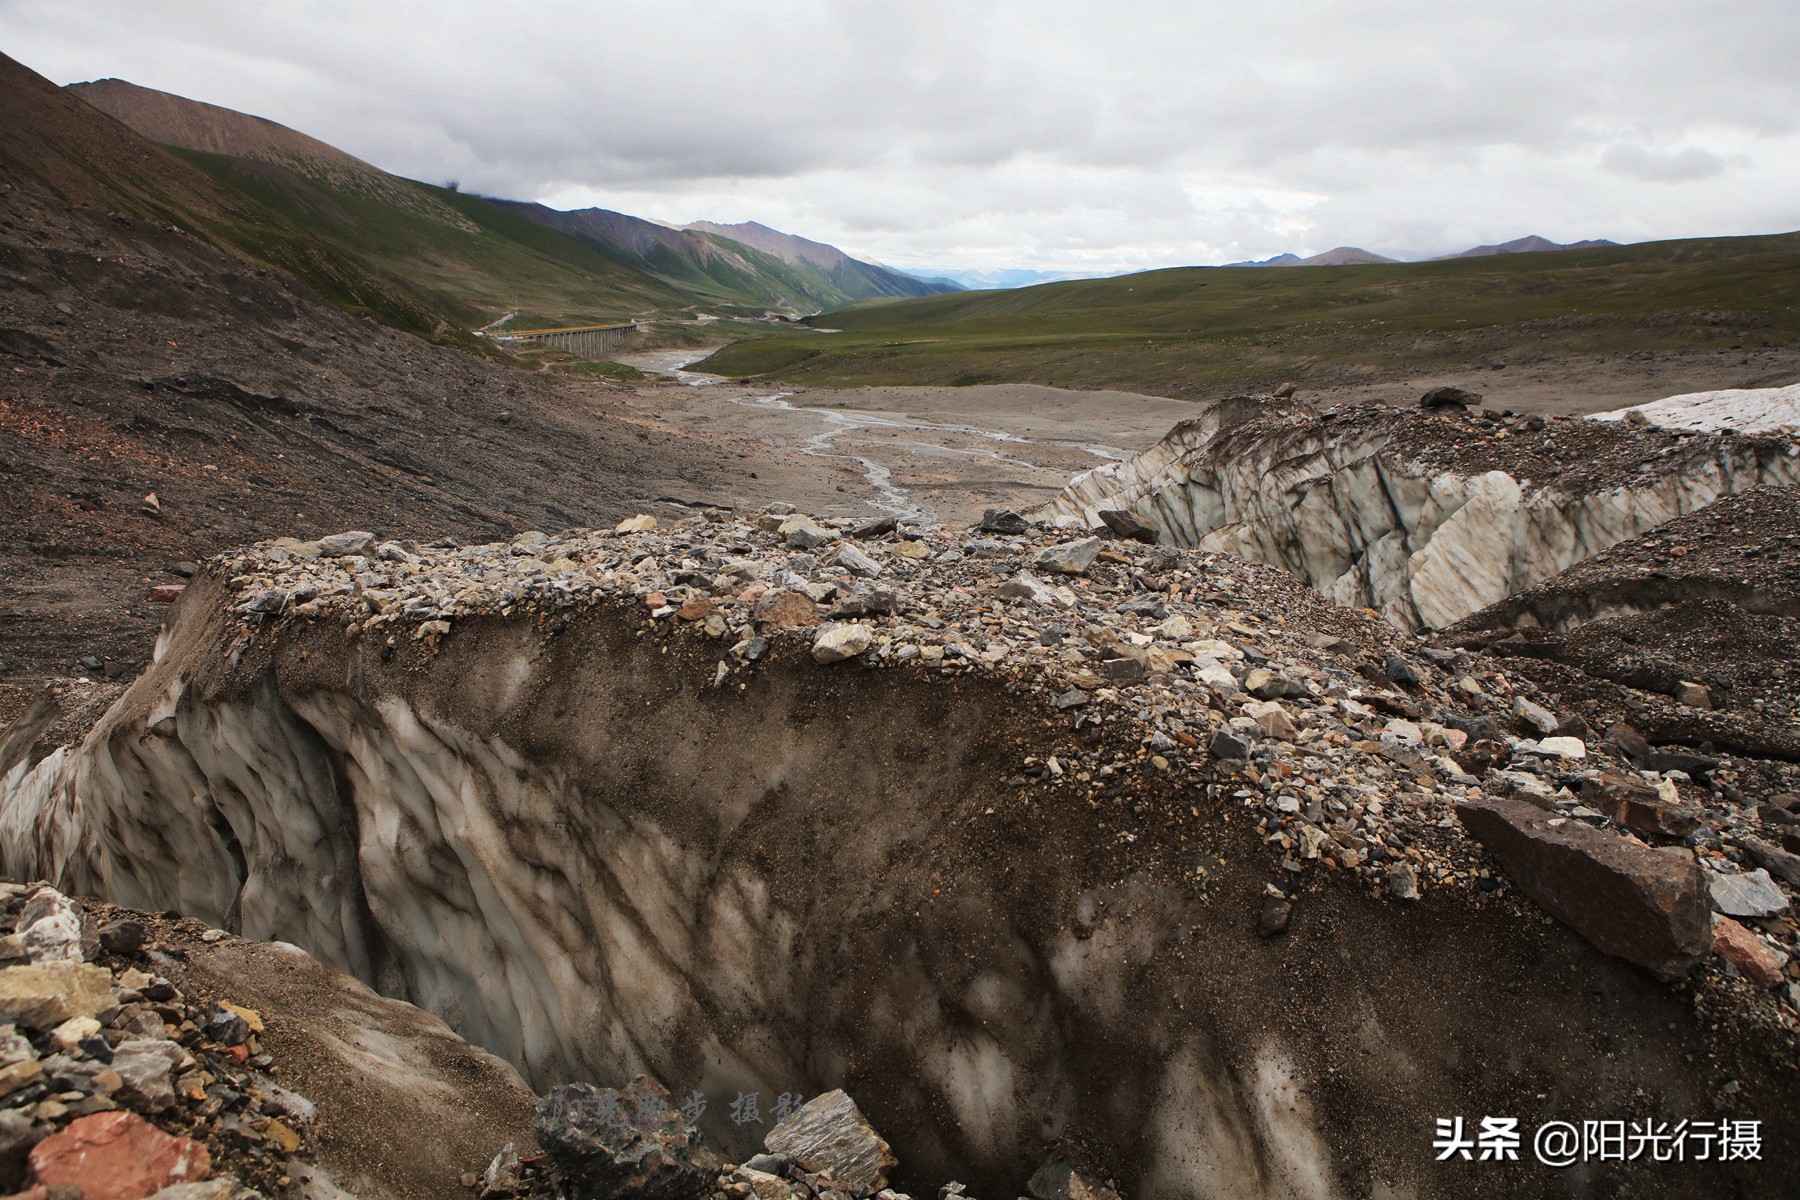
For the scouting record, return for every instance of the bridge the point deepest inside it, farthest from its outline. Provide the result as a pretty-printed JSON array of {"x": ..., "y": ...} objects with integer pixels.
[{"x": 589, "y": 341}]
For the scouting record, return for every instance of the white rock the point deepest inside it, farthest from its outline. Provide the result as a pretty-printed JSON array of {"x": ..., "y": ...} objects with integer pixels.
[
  {"x": 856, "y": 562},
  {"x": 1069, "y": 558},
  {"x": 1534, "y": 715},
  {"x": 837, "y": 641},
  {"x": 1565, "y": 747}
]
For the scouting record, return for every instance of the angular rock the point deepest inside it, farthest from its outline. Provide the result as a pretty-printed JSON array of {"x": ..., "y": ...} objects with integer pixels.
[
  {"x": 830, "y": 1136},
  {"x": 1754, "y": 958},
  {"x": 124, "y": 937},
  {"x": 342, "y": 545},
  {"x": 44, "y": 995},
  {"x": 803, "y": 533},
  {"x": 147, "y": 1067},
  {"x": 117, "y": 1156},
  {"x": 1069, "y": 558},
  {"x": 165, "y": 593},
  {"x": 836, "y": 642},
  {"x": 784, "y": 610},
  {"x": 856, "y": 562},
  {"x": 1403, "y": 881},
  {"x": 1697, "y": 767},
  {"x": 1273, "y": 719},
  {"x": 1449, "y": 397},
  {"x": 1628, "y": 740},
  {"x": 1026, "y": 586},
  {"x": 1643, "y": 905},
  {"x": 1693, "y": 695},
  {"x": 1003, "y": 520},
  {"x": 1534, "y": 715},
  {"x": 879, "y": 527},
  {"x": 642, "y": 523},
  {"x": 1774, "y": 859},
  {"x": 1638, "y": 806},
  {"x": 1128, "y": 525},
  {"x": 1752, "y": 894},
  {"x": 52, "y": 926},
  {"x": 1228, "y": 746},
  {"x": 1564, "y": 747},
  {"x": 632, "y": 1142},
  {"x": 1124, "y": 670}
]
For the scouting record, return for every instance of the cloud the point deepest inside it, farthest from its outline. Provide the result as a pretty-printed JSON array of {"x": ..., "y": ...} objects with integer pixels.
[
  {"x": 1043, "y": 134},
  {"x": 1653, "y": 166}
]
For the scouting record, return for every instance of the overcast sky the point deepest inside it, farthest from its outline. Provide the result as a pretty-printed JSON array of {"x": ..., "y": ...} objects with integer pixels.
[{"x": 988, "y": 133}]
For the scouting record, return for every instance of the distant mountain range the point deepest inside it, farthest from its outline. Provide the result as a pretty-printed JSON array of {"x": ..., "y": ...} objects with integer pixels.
[
  {"x": 1349, "y": 256},
  {"x": 1005, "y": 277},
  {"x": 1532, "y": 244},
  {"x": 606, "y": 266}
]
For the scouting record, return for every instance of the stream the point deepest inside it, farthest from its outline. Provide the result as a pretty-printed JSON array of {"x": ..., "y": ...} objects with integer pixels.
[{"x": 894, "y": 500}]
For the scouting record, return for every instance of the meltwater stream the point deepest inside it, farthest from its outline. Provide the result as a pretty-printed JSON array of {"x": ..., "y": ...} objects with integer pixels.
[{"x": 894, "y": 500}]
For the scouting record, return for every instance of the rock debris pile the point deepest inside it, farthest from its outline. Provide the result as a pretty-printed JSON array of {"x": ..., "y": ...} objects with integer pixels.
[
  {"x": 115, "y": 1084},
  {"x": 635, "y": 1143},
  {"x": 1356, "y": 751}
]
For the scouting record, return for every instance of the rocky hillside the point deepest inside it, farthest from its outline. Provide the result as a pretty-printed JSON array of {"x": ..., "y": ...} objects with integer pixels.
[
  {"x": 987, "y": 792},
  {"x": 1427, "y": 515},
  {"x": 142, "y": 1052},
  {"x": 165, "y": 397}
]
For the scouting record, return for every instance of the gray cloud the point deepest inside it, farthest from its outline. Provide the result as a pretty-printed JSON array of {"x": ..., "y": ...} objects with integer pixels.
[
  {"x": 1671, "y": 166},
  {"x": 1044, "y": 134}
]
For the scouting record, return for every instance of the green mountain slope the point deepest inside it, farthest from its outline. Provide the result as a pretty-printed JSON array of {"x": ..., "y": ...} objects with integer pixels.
[
  {"x": 707, "y": 260},
  {"x": 1207, "y": 330},
  {"x": 412, "y": 255}
]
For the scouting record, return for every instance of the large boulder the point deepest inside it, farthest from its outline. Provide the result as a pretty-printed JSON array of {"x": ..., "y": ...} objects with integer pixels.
[
  {"x": 1647, "y": 906},
  {"x": 830, "y": 1136},
  {"x": 117, "y": 1156}
]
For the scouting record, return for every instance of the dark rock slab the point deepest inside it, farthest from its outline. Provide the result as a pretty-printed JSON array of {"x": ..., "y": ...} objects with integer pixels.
[{"x": 1647, "y": 906}]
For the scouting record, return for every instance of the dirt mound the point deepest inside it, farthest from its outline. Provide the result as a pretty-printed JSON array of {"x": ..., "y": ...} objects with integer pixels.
[{"x": 139, "y": 361}]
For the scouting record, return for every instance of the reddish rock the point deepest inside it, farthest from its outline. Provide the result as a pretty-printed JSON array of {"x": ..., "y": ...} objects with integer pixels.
[
  {"x": 695, "y": 610},
  {"x": 1647, "y": 906},
  {"x": 1636, "y": 805},
  {"x": 654, "y": 600},
  {"x": 166, "y": 593},
  {"x": 785, "y": 610},
  {"x": 1758, "y": 961},
  {"x": 117, "y": 1156}
]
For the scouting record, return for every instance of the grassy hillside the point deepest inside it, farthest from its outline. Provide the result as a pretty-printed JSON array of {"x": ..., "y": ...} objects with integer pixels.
[
  {"x": 715, "y": 268},
  {"x": 466, "y": 271},
  {"x": 1206, "y": 331}
]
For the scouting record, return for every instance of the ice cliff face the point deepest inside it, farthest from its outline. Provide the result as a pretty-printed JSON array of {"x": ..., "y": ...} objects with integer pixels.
[
  {"x": 1387, "y": 510},
  {"x": 550, "y": 802}
]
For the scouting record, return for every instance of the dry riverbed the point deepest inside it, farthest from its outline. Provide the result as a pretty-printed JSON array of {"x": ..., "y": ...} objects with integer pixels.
[{"x": 919, "y": 453}]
